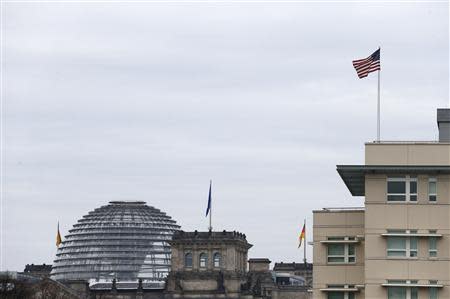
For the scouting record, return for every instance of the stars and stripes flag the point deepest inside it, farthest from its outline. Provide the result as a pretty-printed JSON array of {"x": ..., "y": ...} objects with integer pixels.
[{"x": 367, "y": 65}]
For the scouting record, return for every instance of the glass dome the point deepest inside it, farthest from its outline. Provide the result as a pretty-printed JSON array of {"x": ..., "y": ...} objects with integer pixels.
[{"x": 122, "y": 240}]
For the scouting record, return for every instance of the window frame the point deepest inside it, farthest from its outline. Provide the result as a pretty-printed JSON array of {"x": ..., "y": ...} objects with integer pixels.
[
  {"x": 191, "y": 259},
  {"x": 201, "y": 259},
  {"x": 219, "y": 265},
  {"x": 408, "y": 250},
  {"x": 346, "y": 256},
  {"x": 408, "y": 289},
  {"x": 407, "y": 179},
  {"x": 430, "y": 195},
  {"x": 433, "y": 290},
  {"x": 432, "y": 252},
  {"x": 347, "y": 295}
]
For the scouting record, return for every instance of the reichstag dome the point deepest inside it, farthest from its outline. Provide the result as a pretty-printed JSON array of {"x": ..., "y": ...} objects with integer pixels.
[{"x": 123, "y": 240}]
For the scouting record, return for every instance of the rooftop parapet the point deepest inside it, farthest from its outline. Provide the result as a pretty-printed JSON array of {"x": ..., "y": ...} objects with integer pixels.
[{"x": 196, "y": 235}]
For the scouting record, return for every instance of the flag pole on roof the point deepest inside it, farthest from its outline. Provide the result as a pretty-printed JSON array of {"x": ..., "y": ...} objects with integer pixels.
[{"x": 368, "y": 65}]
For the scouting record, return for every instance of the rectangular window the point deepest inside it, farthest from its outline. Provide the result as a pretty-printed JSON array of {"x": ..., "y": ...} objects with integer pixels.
[
  {"x": 433, "y": 292},
  {"x": 412, "y": 189},
  {"x": 396, "y": 246},
  {"x": 412, "y": 246},
  {"x": 336, "y": 253},
  {"x": 432, "y": 245},
  {"x": 399, "y": 246},
  {"x": 336, "y": 295},
  {"x": 351, "y": 253},
  {"x": 396, "y": 293},
  {"x": 341, "y": 253},
  {"x": 432, "y": 189},
  {"x": 402, "y": 189},
  {"x": 403, "y": 292},
  {"x": 340, "y": 294},
  {"x": 396, "y": 189}
]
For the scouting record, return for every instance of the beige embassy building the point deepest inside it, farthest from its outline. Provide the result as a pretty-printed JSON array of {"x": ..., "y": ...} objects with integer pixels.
[{"x": 398, "y": 245}]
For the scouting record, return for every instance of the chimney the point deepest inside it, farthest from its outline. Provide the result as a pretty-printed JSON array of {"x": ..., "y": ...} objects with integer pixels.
[{"x": 443, "y": 120}]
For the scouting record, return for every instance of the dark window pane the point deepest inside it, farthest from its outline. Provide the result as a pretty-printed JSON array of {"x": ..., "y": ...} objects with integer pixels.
[
  {"x": 396, "y": 293},
  {"x": 432, "y": 197},
  {"x": 351, "y": 249},
  {"x": 335, "y": 295},
  {"x": 203, "y": 260},
  {"x": 336, "y": 249},
  {"x": 336, "y": 259},
  {"x": 396, "y": 187},
  {"x": 413, "y": 187},
  {"x": 433, "y": 293},
  {"x": 432, "y": 187},
  {"x": 396, "y": 253},
  {"x": 413, "y": 197},
  {"x": 217, "y": 260},
  {"x": 396, "y": 197},
  {"x": 396, "y": 243},
  {"x": 188, "y": 260}
]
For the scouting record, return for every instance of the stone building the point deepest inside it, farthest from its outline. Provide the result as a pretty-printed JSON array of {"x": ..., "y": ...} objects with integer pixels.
[
  {"x": 214, "y": 265},
  {"x": 204, "y": 265},
  {"x": 397, "y": 245},
  {"x": 210, "y": 262},
  {"x": 38, "y": 270}
]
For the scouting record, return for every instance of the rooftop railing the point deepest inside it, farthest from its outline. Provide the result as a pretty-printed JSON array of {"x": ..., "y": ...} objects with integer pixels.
[
  {"x": 407, "y": 142},
  {"x": 344, "y": 209}
]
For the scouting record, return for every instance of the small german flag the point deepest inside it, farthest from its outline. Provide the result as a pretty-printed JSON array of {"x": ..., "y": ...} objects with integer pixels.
[
  {"x": 302, "y": 236},
  {"x": 58, "y": 237}
]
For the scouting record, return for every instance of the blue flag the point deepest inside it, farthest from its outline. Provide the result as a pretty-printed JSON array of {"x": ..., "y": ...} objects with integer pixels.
[{"x": 209, "y": 200}]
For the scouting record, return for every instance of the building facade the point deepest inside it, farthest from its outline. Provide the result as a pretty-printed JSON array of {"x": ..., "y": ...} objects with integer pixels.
[
  {"x": 214, "y": 265},
  {"x": 398, "y": 245}
]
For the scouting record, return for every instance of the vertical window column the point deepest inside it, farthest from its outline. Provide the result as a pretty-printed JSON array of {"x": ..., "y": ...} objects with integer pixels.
[
  {"x": 433, "y": 292},
  {"x": 432, "y": 189},
  {"x": 203, "y": 260},
  {"x": 188, "y": 260},
  {"x": 432, "y": 245}
]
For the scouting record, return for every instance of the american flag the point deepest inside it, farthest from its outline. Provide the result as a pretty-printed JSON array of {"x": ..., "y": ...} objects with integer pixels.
[{"x": 367, "y": 65}]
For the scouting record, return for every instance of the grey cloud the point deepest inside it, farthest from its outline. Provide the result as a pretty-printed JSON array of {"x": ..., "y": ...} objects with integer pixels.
[{"x": 150, "y": 101}]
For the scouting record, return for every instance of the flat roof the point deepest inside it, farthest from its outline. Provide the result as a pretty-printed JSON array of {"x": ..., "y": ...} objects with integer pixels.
[{"x": 354, "y": 175}]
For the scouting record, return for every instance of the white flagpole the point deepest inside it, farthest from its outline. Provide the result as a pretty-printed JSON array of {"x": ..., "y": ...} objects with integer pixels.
[
  {"x": 378, "y": 103},
  {"x": 378, "y": 109},
  {"x": 304, "y": 244}
]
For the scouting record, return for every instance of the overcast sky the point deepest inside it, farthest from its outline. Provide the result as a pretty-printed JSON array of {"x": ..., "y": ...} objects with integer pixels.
[{"x": 149, "y": 101}]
